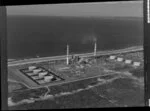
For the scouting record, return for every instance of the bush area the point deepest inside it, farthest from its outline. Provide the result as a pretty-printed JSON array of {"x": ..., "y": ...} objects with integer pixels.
[
  {"x": 138, "y": 72},
  {"x": 13, "y": 87},
  {"x": 118, "y": 93},
  {"x": 27, "y": 94},
  {"x": 72, "y": 86}
]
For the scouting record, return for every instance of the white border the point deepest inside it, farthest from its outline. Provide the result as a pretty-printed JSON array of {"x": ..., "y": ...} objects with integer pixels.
[{"x": 148, "y": 11}]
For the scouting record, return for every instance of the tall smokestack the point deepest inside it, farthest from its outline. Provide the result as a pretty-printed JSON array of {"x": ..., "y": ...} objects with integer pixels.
[
  {"x": 95, "y": 48},
  {"x": 67, "y": 57}
]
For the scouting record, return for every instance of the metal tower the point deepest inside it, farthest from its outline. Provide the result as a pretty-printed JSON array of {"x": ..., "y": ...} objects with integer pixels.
[
  {"x": 95, "y": 48},
  {"x": 67, "y": 57}
]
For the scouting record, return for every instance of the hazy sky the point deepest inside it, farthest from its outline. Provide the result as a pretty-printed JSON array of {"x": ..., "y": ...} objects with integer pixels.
[{"x": 125, "y": 9}]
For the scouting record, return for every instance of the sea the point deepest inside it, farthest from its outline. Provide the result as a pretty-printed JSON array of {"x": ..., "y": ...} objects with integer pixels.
[{"x": 42, "y": 36}]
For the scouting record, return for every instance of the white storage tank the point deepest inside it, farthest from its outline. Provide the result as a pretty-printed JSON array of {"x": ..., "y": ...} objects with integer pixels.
[
  {"x": 35, "y": 77},
  {"x": 30, "y": 74},
  {"x": 48, "y": 78},
  {"x": 31, "y": 68},
  {"x": 36, "y": 71},
  {"x": 128, "y": 61},
  {"x": 112, "y": 57},
  {"x": 42, "y": 74},
  {"x": 136, "y": 63},
  {"x": 119, "y": 59},
  {"x": 41, "y": 81}
]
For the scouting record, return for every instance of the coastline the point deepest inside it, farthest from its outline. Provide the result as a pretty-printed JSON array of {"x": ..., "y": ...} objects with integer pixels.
[{"x": 20, "y": 59}]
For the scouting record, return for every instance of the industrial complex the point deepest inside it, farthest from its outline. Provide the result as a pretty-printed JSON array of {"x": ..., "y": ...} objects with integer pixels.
[
  {"x": 68, "y": 68},
  {"x": 37, "y": 79}
]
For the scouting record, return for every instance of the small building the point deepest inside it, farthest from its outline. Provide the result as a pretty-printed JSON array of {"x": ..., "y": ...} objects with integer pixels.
[
  {"x": 112, "y": 57},
  {"x": 48, "y": 78},
  {"x": 119, "y": 59},
  {"x": 136, "y": 63},
  {"x": 31, "y": 68},
  {"x": 128, "y": 61},
  {"x": 42, "y": 74},
  {"x": 36, "y": 71}
]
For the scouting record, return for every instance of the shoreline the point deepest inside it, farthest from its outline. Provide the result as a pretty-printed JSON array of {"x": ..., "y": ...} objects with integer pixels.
[
  {"x": 19, "y": 58},
  {"x": 62, "y": 57}
]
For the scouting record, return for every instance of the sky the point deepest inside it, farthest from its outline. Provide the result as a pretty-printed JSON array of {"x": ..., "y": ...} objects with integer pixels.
[{"x": 121, "y": 9}]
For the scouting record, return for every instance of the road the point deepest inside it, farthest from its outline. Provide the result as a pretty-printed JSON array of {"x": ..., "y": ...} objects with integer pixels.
[{"x": 62, "y": 57}]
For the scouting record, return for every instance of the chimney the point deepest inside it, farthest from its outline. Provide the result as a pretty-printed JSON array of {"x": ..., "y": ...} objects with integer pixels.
[
  {"x": 95, "y": 48},
  {"x": 67, "y": 57}
]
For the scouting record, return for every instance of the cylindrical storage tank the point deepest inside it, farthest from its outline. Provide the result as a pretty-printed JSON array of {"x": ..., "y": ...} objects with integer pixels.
[
  {"x": 41, "y": 81},
  {"x": 128, "y": 61},
  {"x": 42, "y": 74},
  {"x": 119, "y": 59},
  {"x": 136, "y": 63},
  {"x": 48, "y": 78},
  {"x": 35, "y": 77},
  {"x": 30, "y": 68},
  {"x": 112, "y": 57},
  {"x": 36, "y": 71}
]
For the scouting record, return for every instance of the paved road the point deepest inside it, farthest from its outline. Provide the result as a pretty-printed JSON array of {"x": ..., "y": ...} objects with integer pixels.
[{"x": 99, "y": 53}]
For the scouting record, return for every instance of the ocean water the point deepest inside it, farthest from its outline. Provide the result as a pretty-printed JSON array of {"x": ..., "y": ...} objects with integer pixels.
[{"x": 29, "y": 36}]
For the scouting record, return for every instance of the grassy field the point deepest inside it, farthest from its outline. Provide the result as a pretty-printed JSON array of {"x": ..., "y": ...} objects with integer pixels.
[
  {"x": 119, "y": 92},
  {"x": 27, "y": 94},
  {"x": 14, "y": 86}
]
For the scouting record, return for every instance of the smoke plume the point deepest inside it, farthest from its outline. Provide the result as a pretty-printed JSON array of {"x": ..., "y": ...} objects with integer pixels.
[{"x": 89, "y": 39}]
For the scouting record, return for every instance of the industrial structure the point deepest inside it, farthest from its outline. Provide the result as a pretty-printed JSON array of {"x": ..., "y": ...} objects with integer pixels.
[
  {"x": 40, "y": 75},
  {"x": 112, "y": 57},
  {"x": 119, "y": 59},
  {"x": 136, "y": 63},
  {"x": 51, "y": 70},
  {"x": 95, "y": 48},
  {"x": 126, "y": 61},
  {"x": 67, "y": 57}
]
